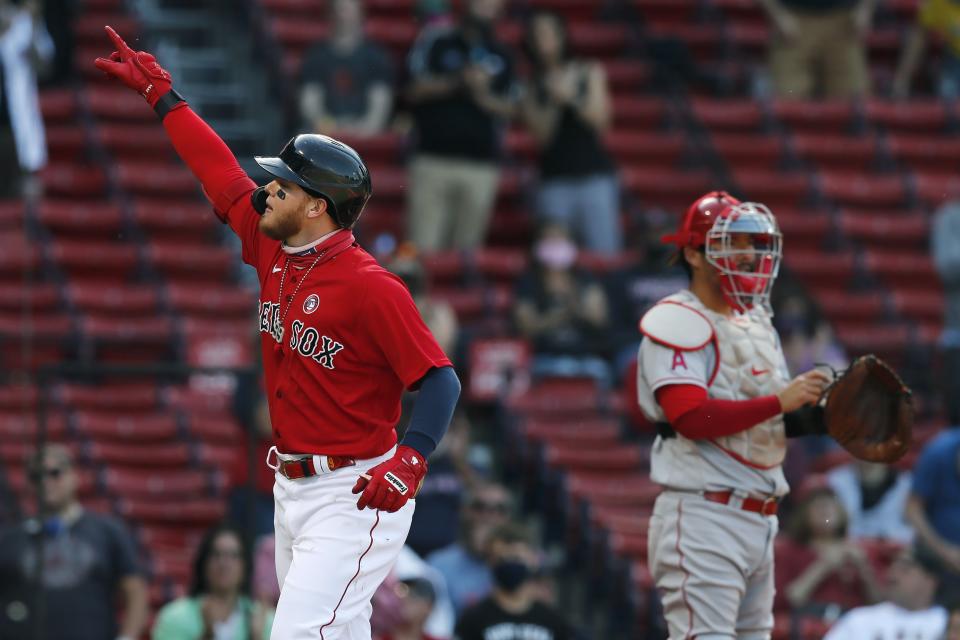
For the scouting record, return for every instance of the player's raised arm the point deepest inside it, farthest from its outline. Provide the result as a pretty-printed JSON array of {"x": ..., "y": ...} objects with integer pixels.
[{"x": 208, "y": 157}]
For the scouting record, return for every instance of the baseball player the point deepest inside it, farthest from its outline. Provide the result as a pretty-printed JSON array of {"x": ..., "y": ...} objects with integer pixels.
[
  {"x": 341, "y": 339},
  {"x": 713, "y": 377}
]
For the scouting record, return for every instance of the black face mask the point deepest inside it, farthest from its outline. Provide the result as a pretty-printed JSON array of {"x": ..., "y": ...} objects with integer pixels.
[{"x": 509, "y": 575}]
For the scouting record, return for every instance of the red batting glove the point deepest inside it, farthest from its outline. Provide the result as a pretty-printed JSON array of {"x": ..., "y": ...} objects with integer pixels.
[
  {"x": 136, "y": 69},
  {"x": 390, "y": 484}
]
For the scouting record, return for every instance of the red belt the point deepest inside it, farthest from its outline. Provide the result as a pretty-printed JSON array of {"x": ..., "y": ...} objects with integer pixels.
[
  {"x": 305, "y": 468},
  {"x": 766, "y": 507}
]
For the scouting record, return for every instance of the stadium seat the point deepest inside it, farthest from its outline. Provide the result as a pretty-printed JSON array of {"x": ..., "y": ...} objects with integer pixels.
[
  {"x": 223, "y": 429},
  {"x": 918, "y": 115},
  {"x": 729, "y": 115},
  {"x": 71, "y": 180},
  {"x": 610, "y": 457},
  {"x": 599, "y": 431},
  {"x": 198, "y": 403},
  {"x": 134, "y": 141},
  {"x": 849, "y": 188},
  {"x": 814, "y": 267},
  {"x": 837, "y": 152},
  {"x": 640, "y": 112},
  {"x": 107, "y": 298},
  {"x": 58, "y": 105},
  {"x": 903, "y": 268},
  {"x": 803, "y": 229},
  {"x": 919, "y": 305},
  {"x": 96, "y": 259},
  {"x": 196, "y": 263},
  {"x": 749, "y": 151},
  {"x": 503, "y": 265},
  {"x": 814, "y": 116},
  {"x": 902, "y": 229},
  {"x": 211, "y": 301},
  {"x": 155, "y": 179},
  {"x": 36, "y": 296},
  {"x": 774, "y": 188},
  {"x": 122, "y": 397},
  {"x": 160, "y": 485},
  {"x": 135, "y": 456},
  {"x": 182, "y": 220},
  {"x": 197, "y": 511},
  {"x": 665, "y": 187},
  {"x": 639, "y": 149},
  {"x": 81, "y": 219},
  {"x": 852, "y": 307},
  {"x": 65, "y": 143},
  {"x": 118, "y": 104},
  {"x": 111, "y": 426},
  {"x": 936, "y": 188},
  {"x": 23, "y": 424}
]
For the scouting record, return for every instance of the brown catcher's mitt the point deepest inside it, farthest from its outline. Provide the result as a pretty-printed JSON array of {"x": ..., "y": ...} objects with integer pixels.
[{"x": 869, "y": 412}]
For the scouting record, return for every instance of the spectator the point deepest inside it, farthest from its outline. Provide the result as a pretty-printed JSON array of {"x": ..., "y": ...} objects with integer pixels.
[
  {"x": 819, "y": 571},
  {"x": 562, "y": 311},
  {"x": 874, "y": 497},
  {"x": 251, "y": 481},
  {"x": 953, "y": 624},
  {"x": 461, "y": 92},
  {"x": 440, "y": 497},
  {"x": 933, "y": 508},
  {"x": 567, "y": 108},
  {"x": 939, "y": 19},
  {"x": 945, "y": 247},
  {"x": 345, "y": 81},
  {"x": 513, "y": 609},
  {"x": 219, "y": 605},
  {"x": 819, "y": 47},
  {"x": 908, "y": 612},
  {"x": 417, "y": 605},
  {"x": 437, "y": 314},
  {"x": 25, "y": 46},
  {"x": 463, "y": 564},
  {"x": 88, "y": 560}
]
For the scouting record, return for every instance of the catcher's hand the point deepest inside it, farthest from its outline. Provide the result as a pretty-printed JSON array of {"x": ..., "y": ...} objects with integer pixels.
[
  {"x": 869, "y": 411},
  {"x": 138, "y": 70},
  {"x": 390, "y": 484}
]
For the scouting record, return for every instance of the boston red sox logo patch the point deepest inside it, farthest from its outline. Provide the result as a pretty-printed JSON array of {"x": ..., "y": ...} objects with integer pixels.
[{"x": 311, "y": 304}]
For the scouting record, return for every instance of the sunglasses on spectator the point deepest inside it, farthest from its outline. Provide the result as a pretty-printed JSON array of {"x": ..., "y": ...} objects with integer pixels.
[{"x": 492, "y": 507}]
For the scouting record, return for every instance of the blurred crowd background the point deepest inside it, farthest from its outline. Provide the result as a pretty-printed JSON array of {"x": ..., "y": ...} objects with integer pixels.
[{"x": 526, "y": 156}]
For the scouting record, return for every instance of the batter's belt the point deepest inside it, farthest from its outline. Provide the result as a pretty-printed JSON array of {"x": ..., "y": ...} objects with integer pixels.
[{"x": 297, "y": 466}]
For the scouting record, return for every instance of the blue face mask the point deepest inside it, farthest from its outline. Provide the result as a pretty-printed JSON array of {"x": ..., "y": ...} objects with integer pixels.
[{"x": 509, "y": 575}]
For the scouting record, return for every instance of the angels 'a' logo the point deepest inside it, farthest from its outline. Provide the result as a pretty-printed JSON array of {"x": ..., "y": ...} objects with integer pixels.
[{"x": 311, "y": 304}]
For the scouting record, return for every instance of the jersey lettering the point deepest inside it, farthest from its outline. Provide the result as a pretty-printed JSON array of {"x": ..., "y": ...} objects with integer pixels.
[
  {"x": 308, "y": 341},
  {"x": 270, "y": 320},
  {"x": 678, "y": 360},
  {"x": 329, "y": 349},
  {"x": 295, "y": 330}
]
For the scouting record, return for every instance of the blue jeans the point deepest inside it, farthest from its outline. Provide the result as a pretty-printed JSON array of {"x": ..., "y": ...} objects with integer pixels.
[{"x": 589, "y": 207}]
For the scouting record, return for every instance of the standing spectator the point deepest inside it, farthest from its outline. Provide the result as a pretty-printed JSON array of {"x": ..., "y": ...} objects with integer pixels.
[
  {"x": 88, "y": 560},
  {"x": 819, "y": 47},
  {"x": 463, "y": 564},
  {"x": 219, "y": 606},
  {"x": 25, "y": 46},
  {"x": 566, "y": 107},
  {"x": 461, "y": 92},
  {"x": 562, "y": 311},
  {"x": 438, "y": 315},
  {"x": 933, "y": 507},
  {"x": 345, "y": 81},
  {"x": 936, "y": 19},
  {"x": 874, "y": 497},
  {"x": 908, "y": 612},
  {"x": 819, "y": 571},
  {"x": 945, "y": 247},
  {"x": 513, "y": 609}
]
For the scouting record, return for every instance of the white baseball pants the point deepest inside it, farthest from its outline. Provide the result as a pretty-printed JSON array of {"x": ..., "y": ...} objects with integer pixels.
[{"x": 330, "y": 556}]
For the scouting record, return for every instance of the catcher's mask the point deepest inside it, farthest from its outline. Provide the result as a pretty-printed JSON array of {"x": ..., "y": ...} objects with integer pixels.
[{"x": 745, "y": 246}]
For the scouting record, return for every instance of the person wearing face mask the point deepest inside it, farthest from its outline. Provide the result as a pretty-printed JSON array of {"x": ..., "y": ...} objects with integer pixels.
[
  {"x": 513, "y": 610},
  {"x": 562, "y": 311}
]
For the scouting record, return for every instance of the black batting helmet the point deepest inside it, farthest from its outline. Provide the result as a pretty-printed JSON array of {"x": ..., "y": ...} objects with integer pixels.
[{"x": 325, "y": 168}]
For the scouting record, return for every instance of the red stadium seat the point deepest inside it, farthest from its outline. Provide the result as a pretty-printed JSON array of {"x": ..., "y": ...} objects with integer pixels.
[
  {"x": 37, "y": 296},
  {"x": 500, "y": 264},
  {"x": 915, "y": 115},
  {"x": 135, "y": 140},
  {"x": 73, "y": 181},
  {"x": 572, "y": 10},
  {"x": 198, "y": 402},
  {"x": 665, "y": 187},
  {"x": 151, "y": 330},
  {"x": 571, "y": 398},
  {"x": 124, "y": 397},
  {"x": 886, "y": 341},
  {"x": 100, "y": 298},
  {"x": 81, "y": 218},
  {"x": 899, "y": 230},
  {"x": 219, "y": 348},
  {"x": 58, "y": 105},
  {"x": 729, "y": 115},
  {"x": 852, "y": 307},
  {"x": 624, "y": 520},
  {"x": 17, "y": 260},
  {"x": 211, "y": 301},
  {"x": 834, "y": 269},
  {"x": 18, "y": 453},
  {"x": 804, "y": 229},
  {"x": 498, "y": 367},
  {"x": 19, "y": 424},
  {"x": 137, "y": 456},
  {"x": 65, "y": 143},
  {"x": 611, "y": 457},
  {"x": 89, "y": 27},
  {"x": 903, "y": 268},
  {"x": 774, "y": 188},
  {"x": 814, "y": 116},
  {"x": 444, "y": 266},
  {"x": 192, "y": 512},
  {"x": 849, "y": 188},
  {"x": 647, "y": 149},
  {"x": 12, "y": 213},
  {"x": 95, "y": 259},
  {"x": 158, "y": 179},
  {"x": 195, "y": 263},
  {"x": 840, "y": 152},
  {"x": 613, "y": 489},
  {"x": 934, "y": 189},
  {"x": 600, "y": 431},
  {"x": 112, "y": 103},
  {"x": 162, "y": 485},
  {"x": 215, "y": 429},
  {"x": 627, "y": 75},
  {"x": 924, "y": 152},
  {"x": 140, "y": 428},
  {"x": 169, "y": 537},
  {"x": 745, "y": 151},
  {"x": 629, "y": 545},
  {"x": 218, "y": 456},
  {"x": 468, "y": 304},
  {"x": 640, "y": 112},
  {"x": 186, "y": 220},
  {"x": 386, "y": 147},
  {"x": 919, "y": 305},
  {"x": 17, "y": 397}
]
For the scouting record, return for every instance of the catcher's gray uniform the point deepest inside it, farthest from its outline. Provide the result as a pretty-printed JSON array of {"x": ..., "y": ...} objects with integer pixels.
[{"x": 713, "y": 562}]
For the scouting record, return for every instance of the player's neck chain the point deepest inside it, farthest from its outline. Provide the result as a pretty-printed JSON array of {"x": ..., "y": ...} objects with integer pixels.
[{"x": 328, "y": 252}]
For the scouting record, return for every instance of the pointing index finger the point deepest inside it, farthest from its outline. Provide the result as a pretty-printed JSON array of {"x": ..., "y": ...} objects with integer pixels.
[{"x": 124, "y": 50}]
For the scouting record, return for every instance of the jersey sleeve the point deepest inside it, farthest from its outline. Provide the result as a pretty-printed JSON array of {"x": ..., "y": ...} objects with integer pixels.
[
  {"x": 662, "y": 365},
  {"x": 399, "y": 331}
]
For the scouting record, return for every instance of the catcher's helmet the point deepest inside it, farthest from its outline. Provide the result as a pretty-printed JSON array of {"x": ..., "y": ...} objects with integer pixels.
[
  {"x": 326, "y": 168},
  {"x": 699, "y": 219}
]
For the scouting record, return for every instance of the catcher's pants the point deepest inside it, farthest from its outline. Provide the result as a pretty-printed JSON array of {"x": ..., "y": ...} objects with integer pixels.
[
  {"x": 713, "y": 567},
  {"x": 330, "y": 556}
]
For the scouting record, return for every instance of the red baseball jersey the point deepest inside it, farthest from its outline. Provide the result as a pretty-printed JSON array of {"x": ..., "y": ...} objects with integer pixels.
[{"x": 340, "y": 342}]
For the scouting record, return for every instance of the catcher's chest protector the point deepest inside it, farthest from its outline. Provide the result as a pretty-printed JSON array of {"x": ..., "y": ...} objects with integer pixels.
[{"x": 751, "y": 365}]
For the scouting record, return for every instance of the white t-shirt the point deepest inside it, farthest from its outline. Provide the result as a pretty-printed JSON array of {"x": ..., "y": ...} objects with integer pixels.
[{"x": 887, "y": 621}]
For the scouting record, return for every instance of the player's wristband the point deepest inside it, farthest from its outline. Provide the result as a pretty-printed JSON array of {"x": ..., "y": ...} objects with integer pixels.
[{"x": 167, "y": 102}]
